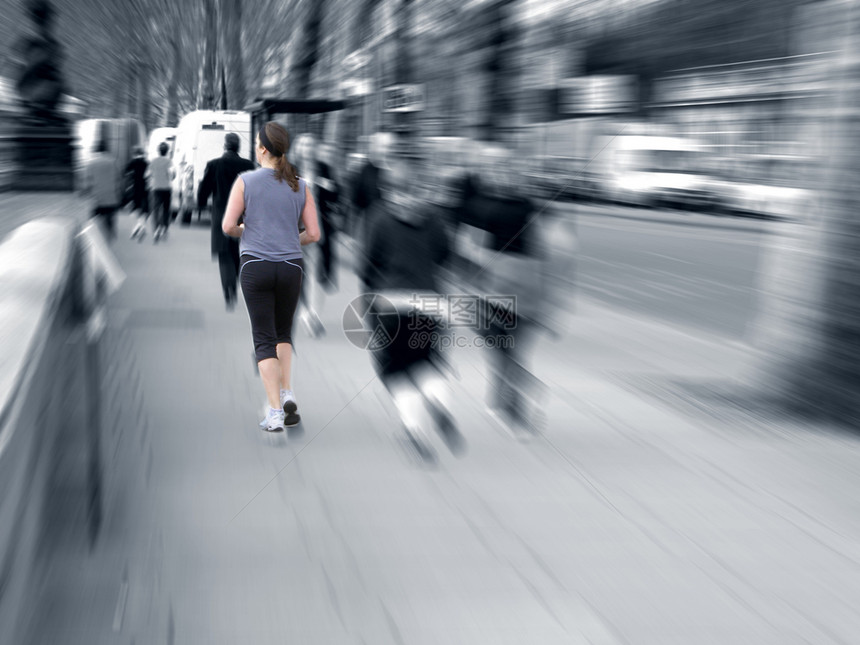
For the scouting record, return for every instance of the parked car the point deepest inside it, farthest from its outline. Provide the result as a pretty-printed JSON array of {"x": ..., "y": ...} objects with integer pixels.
[
  {"x": 122, "y": 136},
  {"x": 199, "y": 139}
]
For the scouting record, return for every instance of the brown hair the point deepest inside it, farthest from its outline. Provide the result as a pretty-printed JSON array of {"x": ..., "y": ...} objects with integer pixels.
[{"x": 276, "y": 140}]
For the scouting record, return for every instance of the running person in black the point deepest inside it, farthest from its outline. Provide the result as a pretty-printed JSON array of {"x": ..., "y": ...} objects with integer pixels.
[
  {"x": 273, "y": 201},
  {"x": 514, "y": 280},
  {"x": 136, "y": 171},
  {"x": 406, "y": 246}
]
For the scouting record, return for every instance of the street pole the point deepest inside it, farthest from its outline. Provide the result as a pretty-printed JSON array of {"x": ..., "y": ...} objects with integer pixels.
[{"x": 43, "y": 137}]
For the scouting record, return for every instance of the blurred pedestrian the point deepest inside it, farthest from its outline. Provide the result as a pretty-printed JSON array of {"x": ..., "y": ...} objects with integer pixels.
[
  {"x": 273, "y": 201},
  {"x": 512, "y": 276},
  {"x": 327, "y": 198},
  {"x": 406, "y": 247},
  {"x": 101, "y": 185},
  {"x": 305, "y": 153},
  {"x": 323, "y": 261},
  {"x": 366, "y": 190},
  {"x": 136, "y": 172},
  {"x": 218, "y": 179},
  {"x": 161, "y": 175},
  {"x": 464, "y": 208}
]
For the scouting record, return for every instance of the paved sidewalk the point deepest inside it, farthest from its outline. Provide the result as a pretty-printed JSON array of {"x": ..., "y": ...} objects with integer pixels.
[{"x": 626, "y": 522}]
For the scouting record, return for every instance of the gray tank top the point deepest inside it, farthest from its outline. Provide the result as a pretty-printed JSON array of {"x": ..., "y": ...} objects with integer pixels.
[{"x": 272, "y": 214}]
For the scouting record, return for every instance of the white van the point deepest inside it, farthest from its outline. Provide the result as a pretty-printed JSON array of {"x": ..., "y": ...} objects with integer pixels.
[
  {"x": 648, "y": 170},
  {"x": 120, "y": 136},
  {"x": 199, "y": 139}
]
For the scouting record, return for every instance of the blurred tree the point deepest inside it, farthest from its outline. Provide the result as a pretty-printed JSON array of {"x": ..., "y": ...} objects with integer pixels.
[
  {"x": 263, "y": 40},
  {"x": 501, "y": 67},
  {"x": 308, "y": 48},
  {"x": 404, "y": 65},
  {"x": 362, "y": 31},
  {"x": 674, "y": 34},
  {"x": 231, "y": 63},
  {"x": 39, "y": 83},
  {"x": 208, "y": 79},
  {"x": 810, "y": 323},
  {"x": 175, "y": 65}
]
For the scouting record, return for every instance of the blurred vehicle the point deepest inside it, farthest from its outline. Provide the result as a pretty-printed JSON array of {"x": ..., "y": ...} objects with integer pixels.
[
  {"x": 765, "y": 187},
  {"x": 156, "y": 138},
  {"x": 555, "y": 160},
  {"x": 653, "y": 171},
  {"x": 562, "y": 178},
  {"x": 199, "y": 139},
  {"x": 122, "y": 136}
]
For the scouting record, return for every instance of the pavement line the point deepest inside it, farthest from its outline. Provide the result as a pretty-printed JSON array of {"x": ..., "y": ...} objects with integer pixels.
[
  {"x": 667, "y": 257},
  {"x": 119, "y": 612}
]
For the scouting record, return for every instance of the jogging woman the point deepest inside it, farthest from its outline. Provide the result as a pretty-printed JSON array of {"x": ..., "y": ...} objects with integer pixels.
[{"x": 273, "y": 200}]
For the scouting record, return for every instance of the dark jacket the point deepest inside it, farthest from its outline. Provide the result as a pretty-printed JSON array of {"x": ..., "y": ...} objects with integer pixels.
[
  {"x": 217, "y": 181},
  {"x": 508, "y": 219},
  {"x": 135, "y": 172},
  {"x": 327, "y": 191},
  {"x": 366, "y": 190},
  {"x": 403, "y": 254}
]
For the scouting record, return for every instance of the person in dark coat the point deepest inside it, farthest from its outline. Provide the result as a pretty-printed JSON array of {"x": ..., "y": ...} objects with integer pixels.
[
  {"x": 136, "y": 172},
  {"x": 327, "y": 196},
  {"x": 217, "y": 181},
  {"x": 513, "y": 278},
  {"x": 366, "y": 191}
]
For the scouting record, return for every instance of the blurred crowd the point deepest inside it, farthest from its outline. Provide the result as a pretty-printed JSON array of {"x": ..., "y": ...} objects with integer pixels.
[{"x": 419, "y": 220}]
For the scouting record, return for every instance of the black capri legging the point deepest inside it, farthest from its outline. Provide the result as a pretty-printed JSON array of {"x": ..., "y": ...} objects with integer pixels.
[{"x": 271, "y": 291}]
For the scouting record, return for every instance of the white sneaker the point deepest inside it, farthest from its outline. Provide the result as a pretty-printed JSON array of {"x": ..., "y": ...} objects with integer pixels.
[
  {"x": 288, "y": 403},
  {"x": 274, "y": 421}
]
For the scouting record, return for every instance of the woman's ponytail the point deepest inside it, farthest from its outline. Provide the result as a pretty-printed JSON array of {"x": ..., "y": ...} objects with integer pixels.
[
  {"x": 276, "y": 140},
  {"x": 285, "y": 171}
]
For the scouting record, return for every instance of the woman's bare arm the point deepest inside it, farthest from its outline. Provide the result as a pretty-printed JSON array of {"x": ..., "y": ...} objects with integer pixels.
[
  {"x": 311, "y": 233},
  {"x": 235, "y": 207}
]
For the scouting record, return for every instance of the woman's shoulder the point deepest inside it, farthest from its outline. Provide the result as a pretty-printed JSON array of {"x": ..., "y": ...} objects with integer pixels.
[{"x": 253, "y": 174}]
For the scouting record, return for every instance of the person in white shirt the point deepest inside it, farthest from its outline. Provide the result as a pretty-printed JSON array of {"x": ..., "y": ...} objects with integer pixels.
[{"x": 161, "y": 175}]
